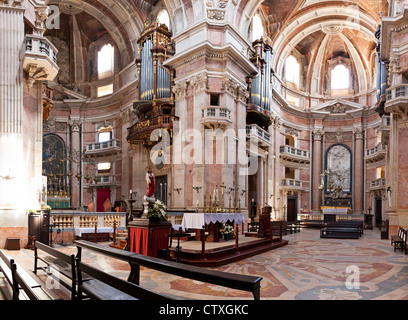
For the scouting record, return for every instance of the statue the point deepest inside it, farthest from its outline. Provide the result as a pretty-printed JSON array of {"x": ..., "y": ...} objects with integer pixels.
[{"x": 151, "y": 183}]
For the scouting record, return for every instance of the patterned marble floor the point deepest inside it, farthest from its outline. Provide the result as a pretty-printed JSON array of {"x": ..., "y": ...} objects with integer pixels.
[{"x": 308, "y": 268}]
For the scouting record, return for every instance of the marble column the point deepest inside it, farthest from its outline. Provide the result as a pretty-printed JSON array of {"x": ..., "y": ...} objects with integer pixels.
[
  {"x": 317, "y": 169},
  {"x": 12, "y": 172},
  {"x": 75, "y": 128},
  {"x": 359, "y": 171},
  {"x": 260, "y": 183}
]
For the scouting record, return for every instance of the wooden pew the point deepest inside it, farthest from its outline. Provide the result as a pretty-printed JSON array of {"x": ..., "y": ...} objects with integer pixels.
[
  {"x": 399, "y": 240},
  {"x": 23, "y": 285},
  {"x": 339, "y": 232},
  {"x": 347, "y": 224},
  {"x": 104, "y": 286},
  {"x": 235, "y": 281},
  {"x": 63, "y": 266}
]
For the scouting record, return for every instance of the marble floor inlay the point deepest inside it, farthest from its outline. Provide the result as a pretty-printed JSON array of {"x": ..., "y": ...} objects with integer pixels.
[{"x": 308, "y": 268}]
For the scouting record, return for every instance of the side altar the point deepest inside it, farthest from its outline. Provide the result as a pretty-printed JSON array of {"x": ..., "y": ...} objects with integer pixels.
[{"x": 148, "y": 232}]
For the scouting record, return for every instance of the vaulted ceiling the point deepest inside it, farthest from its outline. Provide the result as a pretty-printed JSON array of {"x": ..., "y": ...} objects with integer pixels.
[{"x": 322, "y": 30}]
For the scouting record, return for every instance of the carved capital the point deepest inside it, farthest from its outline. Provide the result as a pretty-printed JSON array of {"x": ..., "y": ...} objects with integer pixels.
[
  {"x": 242, "y": 94},
  {"x": 318, "y": 135},
  {"x": 75, "y": 125},
  {"x": 199, "y": 83},
  {"x": 359, "y": 134},
  {"x": 35, "y": 73},
  {"x": 229, "y": 85},
  {"x": 180, "y": 91}
]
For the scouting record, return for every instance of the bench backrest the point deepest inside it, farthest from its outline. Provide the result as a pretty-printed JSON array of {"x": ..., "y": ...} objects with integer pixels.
[
  {"x": 231, "y": 280},
  {"x": 53, "y": 252},
  {"x": 117, "y": 283}
]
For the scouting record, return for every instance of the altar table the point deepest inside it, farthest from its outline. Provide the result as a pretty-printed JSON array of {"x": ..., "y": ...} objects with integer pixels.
[{"x": 198, "y": 220}]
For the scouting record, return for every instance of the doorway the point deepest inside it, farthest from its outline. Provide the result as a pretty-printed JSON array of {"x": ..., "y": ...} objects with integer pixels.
[
  {"x": 291, "y": 210},
  {"x": 378, "y": 211}
]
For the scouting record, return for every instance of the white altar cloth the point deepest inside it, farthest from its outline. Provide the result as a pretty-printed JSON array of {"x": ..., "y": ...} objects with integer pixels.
[
  {"x": 80, "y": 231},
  {"x": 335, "y": 210},
  {"x": 198, "y": 220}
]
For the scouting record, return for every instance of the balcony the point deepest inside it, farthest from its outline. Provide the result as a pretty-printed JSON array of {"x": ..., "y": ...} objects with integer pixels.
[
  {"x": 377, "y": 184},
  {"x": 291, "y": 184},
  {"x": 140, "y": 132},
  {"x": 216, "y": 117},
  {"x": 292, "y": 154},
  {"x": 255, "y": 132},
  {"x": 376, "y": 154},
  {"x": 40, "y": 59},
  {"x": 397, "y": 99},
  {"x": 101, "y": 181},
  {"x": 103, "y": 149}
]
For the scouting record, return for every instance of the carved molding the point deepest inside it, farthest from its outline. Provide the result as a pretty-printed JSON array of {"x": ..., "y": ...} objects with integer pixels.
[
  {"x": 35, "y": 73},
  {"x": 215, "y": 14},
  {"x": 339, "y": 136}
]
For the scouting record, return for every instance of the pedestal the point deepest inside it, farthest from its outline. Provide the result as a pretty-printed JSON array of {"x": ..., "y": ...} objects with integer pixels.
[{"x": 148, "y": 236}]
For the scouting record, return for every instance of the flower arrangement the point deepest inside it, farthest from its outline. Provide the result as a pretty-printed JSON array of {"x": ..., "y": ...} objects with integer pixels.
[
  {"x": 157, "y": 210},
  {"x": 227, "y": 231},
  {"x": 45, "y": 206}
]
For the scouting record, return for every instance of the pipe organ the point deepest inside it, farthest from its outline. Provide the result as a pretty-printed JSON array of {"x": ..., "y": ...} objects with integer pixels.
[
  {"x": 260, "y": 86},
  {"x": 155, "y": 106}
]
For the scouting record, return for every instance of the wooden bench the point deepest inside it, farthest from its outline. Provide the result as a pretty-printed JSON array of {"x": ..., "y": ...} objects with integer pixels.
[
  {"x": 63, "y": 266},
  {"x": 23, "y": 285},
  {"x": 347, "y": 224},
  {"x": 235, "y": 281},
  {"x": 104, "y": 286},
  {"x": 311, "y": 223},
  {"x": 338, "y": 232},
  {"x": 399, "y": 240},
  {"x": 293, "y": 226}
]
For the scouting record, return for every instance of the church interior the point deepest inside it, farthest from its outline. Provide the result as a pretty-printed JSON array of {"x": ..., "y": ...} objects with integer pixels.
[{"x": 232, "y": 149}]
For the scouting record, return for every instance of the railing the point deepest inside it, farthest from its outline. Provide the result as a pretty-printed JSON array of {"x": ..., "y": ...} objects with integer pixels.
[
  {"x": 152, "y": 123},
  {"x": 101, "y": 180},
  {"x": 216, "y": 114},
  {"x": 376, "y": 150},
  {"x": 378, "y": 183},
  {"x": 292, "y": 183},
  {"x": 396, "y": 97},
  {"x": 41, "y": 46},
  {"x": 258, "y": 132},
  {"x": 103, "y": 146},
  {"x": 71, "y": 220},
  {"x": 295, "y": 152}
]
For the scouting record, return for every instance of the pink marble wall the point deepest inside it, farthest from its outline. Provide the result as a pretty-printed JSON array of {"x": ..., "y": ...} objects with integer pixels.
[
  {"x": 14, "y": 232},
  {"x": 402, "y": 168}
]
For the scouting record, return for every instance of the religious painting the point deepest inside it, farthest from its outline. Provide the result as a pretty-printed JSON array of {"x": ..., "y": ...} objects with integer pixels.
[
  {"x": 54, "y": 162},
  {"x": 338, "y": 169}
]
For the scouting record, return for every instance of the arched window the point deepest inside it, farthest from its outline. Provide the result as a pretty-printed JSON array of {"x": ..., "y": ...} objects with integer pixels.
[
  {"x": 257, "y": 27},
  {"x": 340, "y": 77},
  {"x": 106, "y": 58},
  {"x": 292, "y": 70},
  {"x": 163, "y": 18}
]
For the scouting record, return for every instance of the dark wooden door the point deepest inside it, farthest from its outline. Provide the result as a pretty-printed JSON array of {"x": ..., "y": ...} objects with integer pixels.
[
  {"x": 291, "y": 209},
  {"x": 378, "y": 211}
]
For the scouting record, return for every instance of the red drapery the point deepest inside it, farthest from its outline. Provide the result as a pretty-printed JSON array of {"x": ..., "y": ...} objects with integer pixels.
[
  {"x": 139, "y": 241},
  {"x": 102, "y": 195}
]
